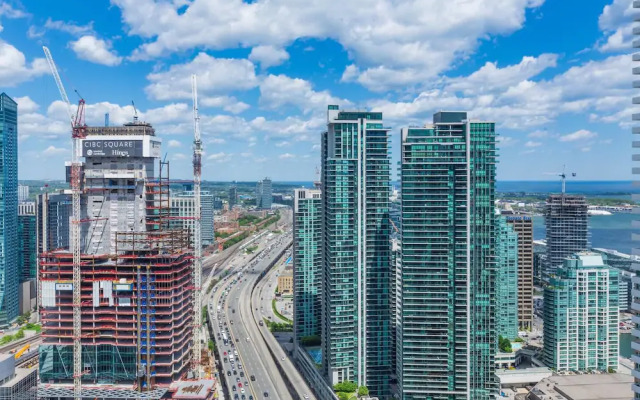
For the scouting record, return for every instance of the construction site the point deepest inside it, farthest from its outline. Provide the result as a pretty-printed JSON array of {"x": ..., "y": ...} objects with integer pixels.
[{"x": 121, "y": 310}]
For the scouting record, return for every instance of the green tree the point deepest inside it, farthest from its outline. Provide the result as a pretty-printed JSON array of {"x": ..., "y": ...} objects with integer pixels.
[
  {"x": 504, "y": 344},
  {"x": 363, "y": 391},
  {"x": 20, "y": 334},
  {"x": 346, "y": 386}
]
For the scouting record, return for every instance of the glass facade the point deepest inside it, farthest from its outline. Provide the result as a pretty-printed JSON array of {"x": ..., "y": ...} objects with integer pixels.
[
  {"x": 307, "y": 263},
  {"x": 27, "y": 251},
  {"x": 356, "y": 309},
  {"x": 506, "y": 279},
  {"x": 446, "y": 333},
  {"x": 581, "y": 315},
  {"x": 9, "y": 273}
]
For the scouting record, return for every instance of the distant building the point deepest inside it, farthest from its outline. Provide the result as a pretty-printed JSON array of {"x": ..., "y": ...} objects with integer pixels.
[
  {"x": 182, "y": 205},
  {"x": 9, "y": 241},
  {"x": 307, "y": 263},
  {"x": 506, "y": 279},
  {"x": 285, "y": 281},
  {"x": 28, "y": 243},
  {"x": 233, "y": 196},
  {"x": 446, "y": 338},
  {"x": 23, "y": 193},
  {"x": 17, "y": 383},
  {"x": 567, "y": 230},
  {"x": 523, "y": 226},
  {"x": 264, "y": 194},
  {"x": 217, "y": 203},
  {"x": 581, "y": 315},
  {"x": 53, "y": 213}
]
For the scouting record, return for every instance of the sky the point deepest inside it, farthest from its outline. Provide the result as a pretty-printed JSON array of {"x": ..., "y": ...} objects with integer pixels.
[{"x": 555, "y": 76}]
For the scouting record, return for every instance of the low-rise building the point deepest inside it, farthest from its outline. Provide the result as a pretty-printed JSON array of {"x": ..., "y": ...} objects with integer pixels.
[
  {"x": 583, "y": 387},
  {"x": 285, "y": 281},
  {"x": 16, "y": 383}
]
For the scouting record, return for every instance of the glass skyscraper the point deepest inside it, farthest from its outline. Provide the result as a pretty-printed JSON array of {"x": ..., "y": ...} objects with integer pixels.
[
  {"x": 356, "y": 309},
  {"x": 446, "y": 337},
  {"x": 9, "y": 273},
  {"x": 506, "y": 279},
  {"x": 307, "y": 263},
  {"x": 581, "y": 315}
]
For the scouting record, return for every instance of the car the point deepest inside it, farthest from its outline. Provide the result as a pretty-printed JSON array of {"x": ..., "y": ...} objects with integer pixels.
[
  {"x": 239, "y": 384},
  {"x": 225, "y": 353},
  {"x": 242, "y": 373},
  {"x": 241, "y": 390},
  {"x": 225, "y": 359},
  {"x": 247, "y": 339},
  {"x": 243, "y": 397},
  {"x": 305, "y": 396},
  {"x": 266, "y": 394},
  {"x": 236, "y": 396},
  {"x": 282, "y": 358},
  {"x": 237, "y": 379},
  {"x": 253, "y": 378},
  {"x": 235, "y": 372},
  {"x": 228, "y": 373},
  {"x": 233, "y": 388}
]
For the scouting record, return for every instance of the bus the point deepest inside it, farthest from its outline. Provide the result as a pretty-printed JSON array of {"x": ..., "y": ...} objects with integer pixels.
[{"x": 224, "y": 338}]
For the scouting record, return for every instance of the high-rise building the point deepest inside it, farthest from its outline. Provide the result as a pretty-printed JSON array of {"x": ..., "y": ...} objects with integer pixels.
[
  {"x": 566, "y": 222},
  {"x": 182, "y": 205},
  {"x": 523, "y": 225},
  {"x": 233, "y": 196},
  {"x": 28, "y": 244},
  {"x": 53, "y": 213},
  {"x": 23, "y": 193},
  {"x": 264, "y": 194},
  {"x": 307, "y": 263},
  {"x": 9, "y": 273},
  {"x": 635, "y": 224},
  {"x": 356, "y": 312},
  {"x": 136, "y": 314},
  {"x": 446, "y": 339},
  {"x": 581, "y": 315},
  {"x": 506, "y": 279}
]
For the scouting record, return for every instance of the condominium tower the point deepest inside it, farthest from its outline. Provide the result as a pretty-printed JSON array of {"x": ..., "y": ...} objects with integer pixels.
[
  {"x": 307, "y": 263},
  {"x": 356, "y": 308},
  {"x": 264, "y": 194},
  {"x": 446, "y": 338},
  {"x": 9, "y": 274},
  {"x": 566, "y": 222},
  {"x": 523, "y": 225},
  {"x": 182, "y": 206},
  {"x": 635, "y": 225},
  {"x": 506, "y": 279},
  {"x": 27, "y": 244},
  {"x": 53, "y": 213},
  {"x": 581, "y": 315}
]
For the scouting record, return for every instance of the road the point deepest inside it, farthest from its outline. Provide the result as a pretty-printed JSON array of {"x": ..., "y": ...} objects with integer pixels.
[{"x": 234, "y": 320}]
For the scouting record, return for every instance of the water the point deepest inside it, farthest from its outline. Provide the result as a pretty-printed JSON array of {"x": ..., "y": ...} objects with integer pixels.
[
  {"x": 607, "y": 231},
  {"x": 621, "y": 189}
]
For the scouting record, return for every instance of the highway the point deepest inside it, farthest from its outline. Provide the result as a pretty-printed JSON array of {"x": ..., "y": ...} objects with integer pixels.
[{"x": 240, "y": 326}]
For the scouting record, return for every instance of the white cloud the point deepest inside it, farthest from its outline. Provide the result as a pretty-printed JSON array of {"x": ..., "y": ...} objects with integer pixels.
[
  {"x": 531, "y": 143},
  {"x": 220, "y": 157},
  {"x": 217, "y": 141},
  {"x": 582, "y": 134},
  {"x": 506, "y": 141},
  {"x": 14, "y": 68},
  {"x": 6, "y": 10},
  {"x": 54, "y": 151},
  {"x": 179, "y": 156},
  {"x": 280, "y": 90},
  {"x": 215, "y": 75},
  {"x": 95, "y": 50},
  {"x": 418, "y": 39},
  {"x": 69, "y": 27},
  {"x": 538, "y": 134},
  {"x": 26, "y": 105},
  {"x": 616, "y": 22},
  {"x": 268, "y": 56},
  {"x": 174, "y": 143},
  {"x": 586, "y": 148},
  {"x": 284, "y": 143},
  {"x": 227, "y": 103},
  {"x": 286, "y": 156}
]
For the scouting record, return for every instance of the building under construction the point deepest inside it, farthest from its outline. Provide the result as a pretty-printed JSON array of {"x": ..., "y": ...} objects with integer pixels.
[{"x": 136, "y": 273}]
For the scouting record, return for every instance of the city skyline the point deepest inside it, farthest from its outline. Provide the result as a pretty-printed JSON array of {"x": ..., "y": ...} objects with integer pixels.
[{"x": 265, "y": 116}]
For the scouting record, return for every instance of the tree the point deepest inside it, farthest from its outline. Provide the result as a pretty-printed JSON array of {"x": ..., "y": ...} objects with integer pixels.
[
  {"x": 20, "y": 334},
  {"x": 363, "y": 391},
  {"x": 346, "y": 386},
  {"x": 504, "y": 344}
]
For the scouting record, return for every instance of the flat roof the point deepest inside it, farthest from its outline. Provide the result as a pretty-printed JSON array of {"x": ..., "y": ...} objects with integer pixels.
[
  {"x": 20, "y": 374},
  {"x": 194, "y": 389},
  {"x": 593, "y": 386}
]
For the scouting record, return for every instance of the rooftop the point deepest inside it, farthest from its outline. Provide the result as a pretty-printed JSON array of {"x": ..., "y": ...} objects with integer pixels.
[{"x": 585, "y": 387}]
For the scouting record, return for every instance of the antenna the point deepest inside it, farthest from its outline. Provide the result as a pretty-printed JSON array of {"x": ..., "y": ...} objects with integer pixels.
[{"x": 135, "y": 112}]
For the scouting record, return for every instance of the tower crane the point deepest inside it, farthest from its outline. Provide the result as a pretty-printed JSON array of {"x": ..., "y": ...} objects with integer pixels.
[
  {"x": 562, "y": 176},
  {"x": 197, "y": 240},
  {"x": 78, "y": 132}
]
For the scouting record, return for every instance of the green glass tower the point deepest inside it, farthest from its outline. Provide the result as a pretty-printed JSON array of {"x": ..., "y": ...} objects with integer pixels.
[
  {"x": 581, "y": 315},
  {"x": 446, "y": 333},
  {"x": 506, "y": 279},
  {"x": 9, "y": 273},
  {"x": 356, "y": 330},
  {"x": 307, "y": 263}
]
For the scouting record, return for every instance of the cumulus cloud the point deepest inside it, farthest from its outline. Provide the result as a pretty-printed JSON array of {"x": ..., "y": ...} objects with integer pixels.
[
  {"x": 227, "y": 103},
  {"x": 8, "y": 11},
  {"x": 580, "y": 135},
  {"x": 215, "y": 75},
  {"x": 54, "y": 151},
  {"x": 268, "y": 56},
  {"x": 286, "y": 156},
  {"x": 26, "y": 105},
  {"x": 389, "y": 41},
  {"x": 220, "y": 157},
  {"x": 280, "y": 90},
  {"x": 531, "y": 143},
  {"x": 174, "y": 143},
  {"x": 95, "y": 50},
  {"x": 616, "y": 22},
  {"x": 69, "y": 27},
  {"x": 14, "y": 68}
]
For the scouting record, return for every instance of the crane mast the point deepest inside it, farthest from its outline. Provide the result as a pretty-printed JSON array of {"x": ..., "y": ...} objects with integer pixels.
[
  {"x": 79, "y": 131},
  {"x": 197, "y": 240}
]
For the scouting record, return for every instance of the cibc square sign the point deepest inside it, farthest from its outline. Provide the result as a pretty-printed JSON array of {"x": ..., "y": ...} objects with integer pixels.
[{"x": 112, "y": 148}]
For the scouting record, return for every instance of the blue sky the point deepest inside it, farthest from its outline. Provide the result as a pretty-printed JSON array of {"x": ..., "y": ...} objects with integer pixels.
[{"x": 554, "y": 75}]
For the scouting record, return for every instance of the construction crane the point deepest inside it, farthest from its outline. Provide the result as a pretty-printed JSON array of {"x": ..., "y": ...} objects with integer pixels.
[
  {"x": 78, "y": 132},
  {"x": 562, "y": 176},
  {"x": 197, "y": 240}
]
